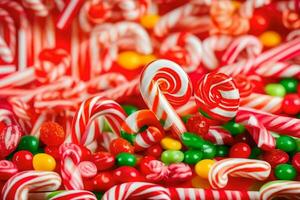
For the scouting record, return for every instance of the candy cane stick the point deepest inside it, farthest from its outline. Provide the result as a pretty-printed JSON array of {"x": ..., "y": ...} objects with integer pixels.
[
  {"x": 277, "y": 189},
  {"x": 37, "y": 6},
  {"x": 18, "y": 186},
  {"x": 63, "y": 195},
  {"x": 7, "y": 169},
  {"x": 218, "y": 135},
  {"x": 132, "y": 9},
  {"x": 279, "y": 70},
  {"x": 163, "y": 83},
  {"x": 106, "y": 81},
  {"x": 237, "y": 167},
  {"x": 68, "y": 13}
]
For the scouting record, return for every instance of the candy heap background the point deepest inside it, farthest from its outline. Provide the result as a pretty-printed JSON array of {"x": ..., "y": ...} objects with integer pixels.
[{"x": 149, "y": 99}]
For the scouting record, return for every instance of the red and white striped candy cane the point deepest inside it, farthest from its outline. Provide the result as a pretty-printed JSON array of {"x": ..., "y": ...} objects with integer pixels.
[
  {"x": 89, "y": 110},
  {"x": 63, "y": 195},
  {"x": 179, "y": 172},
  {"x": 217, "y": 96},
  {"x": 237, "y": 167},
  {"x": 131, "y": 9},
  {"x": 18, "y": 186},
  {"x": 279, "y": 124},
  {"x": 218, "y": 135},
  {"x": 7, "y": 169},
  {"x": 37, "y": 6},
  {"x": 106, "y": 81},
  {"x": 87, "y": 169},
  {"x": 164, "y": 84},
  {"x": 279, "y": 70},
  {"x": 278, "y": 189},
  {"x": 134, "y": 122}
]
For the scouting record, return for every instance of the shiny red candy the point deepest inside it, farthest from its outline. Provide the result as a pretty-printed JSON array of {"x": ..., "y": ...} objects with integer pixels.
[
  {"x": 103, "y": 160},
  {"x": 23, "y": 160},
  {"x": 120, "y": 145},
  {"x": 86, "y": 153},
  {"x": 144, "y": 166},
  {"x": 276, "y": 157},
  {"x": 52, "y": 134},
  {"x": 103, "y": 181},
  {"x": 259, "y": 23},
  {"x": 127, "y": 174},
  {"x": 291, "y": 104},
  {"x": 154, "y": 151},
  {"x": 296, "y": 161},
  {"x": 240, "y": 150},
  {"x": 197, "y": 124},
  {"x": 53, "y": 151}
]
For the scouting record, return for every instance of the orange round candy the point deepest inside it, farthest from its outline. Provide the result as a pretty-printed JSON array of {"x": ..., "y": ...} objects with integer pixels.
[{"x": 52, "y": 134}]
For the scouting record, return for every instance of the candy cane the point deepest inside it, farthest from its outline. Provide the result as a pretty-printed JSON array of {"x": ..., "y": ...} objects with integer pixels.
[
  {"x": 237, "y": 167},
  {"x": 218, "y": 135},
  {"x": 7, "y": 169},
  {"x": 187, "y": 41},
  {"x": 244, "y": 85},
  {"x": 279, "y": 70},
  {"x": 277, "y": 189},
  {"x": 132, "y": 9},
  {"x": 163, "y": 83},
  {"x": 18, "y": 186},
  {"x": 68, "y": 13},
  {"x": 106, "y": 81},
  {"x": 134, "y": 122},
  {"x": 37, "y": 6},
  {"x": 64, "y": 195},
  {"x": 279, "y": 124}
]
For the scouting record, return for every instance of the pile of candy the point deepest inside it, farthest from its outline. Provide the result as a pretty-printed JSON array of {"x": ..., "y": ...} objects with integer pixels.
[{"x": 149, "y": 99}]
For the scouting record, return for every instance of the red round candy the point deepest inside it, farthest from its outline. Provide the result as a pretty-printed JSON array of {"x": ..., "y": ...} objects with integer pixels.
[
  {"x": 197, "y": 124},
  {"x": 52, "y": 134},
  {"x": 259, "y": 23},
  {"x": 127, "y": 174},
  {"x": 103, "y": 160},
  {"x": 120, "y": 145},
  {"x": 154, "y": 151},
  {"x": 23, "y": 160},
  {"x": 291, "y": 104},
  {"x": 240, "y": 150},
  {"x": 53, "y": 151},
  {"x": 103, "y": 181},
  {"x": 276, "y": 157},
  {"x": 296, "y": 161}
]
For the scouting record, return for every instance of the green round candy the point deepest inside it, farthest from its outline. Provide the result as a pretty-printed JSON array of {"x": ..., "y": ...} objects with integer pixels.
[
  {"x": 126, "y": 159},
  {"x": 222, "y": 151},
  {"x": 172, "y": 156},
  {"x": 29, "y": 143},
  {"x": 286, "y": 143},
  {"x": 192, "y": 156},
  {"x": 234, "y": 128},
  {"x": 290, "y": 84},
  {"x": 255, "y": 152},
  {"x": 275, "y": 89},
  {"x": 191, "y": 140},
  {"x": 209, "y": 150},
  {"x": 129, "y": 109},
  {"x": 285, "y": 172}
]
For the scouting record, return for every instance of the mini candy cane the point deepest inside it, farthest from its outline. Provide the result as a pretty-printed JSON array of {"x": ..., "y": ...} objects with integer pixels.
[
  {"x": 217, "y": 96},
  {"x": 164, "y": 83},
  {"x": 218, "y": 135},
  {"x": 237, "y": 167},
  {"x": 89, "y": 110},
  {"x": 7, "y": 169},
  {"x": 68, "y": 13},
  {"x": 156, "y": 171},
  {"x": 277, "y": 189},
  {"x": 279, "y": 70},
  {"x": 134, "y": 122},
  {"x": 189, "y": 42},
  {"x": 106, "y": 81},
  {"x": 64, "y": 195},
  {"x": 179, "y": 172},
  {"x": 37, "y": 6},
  {"x": 279, "y": 124},
  {"x": 18, "y": 186}
]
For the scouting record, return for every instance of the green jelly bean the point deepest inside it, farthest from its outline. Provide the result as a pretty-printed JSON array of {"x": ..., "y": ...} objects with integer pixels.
[
  {"x": 209, "y": 150},
  {"x": 234, "y": 128},
  {"x": 29, "y": 143},
  {"x": 222, "y": 151},
  {"x": 255, "y": 152},
  {"x": 285, "y": 172},
  {"x": 172, "y": 156},
  {"x": 192, "y": 156},
  {"x": 286, "y": 143},
  {"x": 275, "y": 89},
  {"x": 290, "y": 84},
  {"x": 191, "y": 140},
  {"x": 126, "y": 159},
  {"x": 129, "y": 109}
]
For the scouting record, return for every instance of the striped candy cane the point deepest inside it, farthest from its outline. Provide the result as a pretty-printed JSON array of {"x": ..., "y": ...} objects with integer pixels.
[
  {"x": 218, "y": 135},
  {"x": 277, "y": 189},
  {"x": 106, "y": 81},
  {"x": 164, "y": 84},
  {"x": 37, "y": 6},
  {"x": 68, "y": 13},
  {"x": 237, "y": 167},
  {"x": 7, "y": 169},
  {"x": 279, "y": 70},
  {"x": 63, "y": 195}
]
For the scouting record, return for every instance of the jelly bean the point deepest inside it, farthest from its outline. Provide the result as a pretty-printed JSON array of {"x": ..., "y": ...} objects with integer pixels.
[
  {"x": 126, "y": 174},
  {"x": 126, "y": 159},
  {"x": 103, "y": 160},
  {"x": 290, "y": 85},
  {"x": 276, "y": 157},
  {"x": 53, "y": 151},
  {"x": 202, "y": 167},
  {"x": 285, "y": 172},
  {"x": 191, "y": 140},
  {"x": 255, "y": 152},
  {"x": 296, "y": 161},
  {"x": 43, "y": 162},
  {"x": 154, "y": 151},
  {"x": 209, "y": 150},
  {"x": 23, "y": 160},
  {"x": 270, "y": 38},
  {"x": 197, "y": 124},
  {"x": 129, "y": 60},
  {"x": 170, "y": 144},
  {"x": 259, "y": 22},
  {"x": 29, "y": 143},
  {"x": 120, "y": 145},
  {"x": 286, "y": 143},
  {"x": 52, "y": 134},
  {"x": 291, "y": 104},
  {"x": 234, "y": 128},
  {"x": 172, "y": 156},
  {"x": 146, "y": 59},
  {"x": 103, "y": 181},
  {"x": 222, "y": 151},
  {"x": 240, "y": 150},
  {"x": 192, "y": 156},
  {"x": 129, "y": 109},
  {"x": 275, "y": 89},
  {"x": 149, "y": 20}
]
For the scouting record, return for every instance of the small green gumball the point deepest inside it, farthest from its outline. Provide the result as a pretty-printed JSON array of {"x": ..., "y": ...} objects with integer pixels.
[
  {"x": 129, "y": 109},
  {"x": 191, "y": 140},
  {"x": 234, "y": 128},
  {"x": 290, "y": 84},
  {"x": 126, "y": 159},
  {"x": 192, "y": 156},
  {"x": 275, "y": 89},
  {"x": 209, "y": 150},
  {"x": 255, "y": 152},
  {"x": 286, "y": 143},
  {"x": 285, "y": 172},
  {"x": 29, "y": 143},
  {"x": 172, "y": 156},
  {"x": 222, "y": 151}
]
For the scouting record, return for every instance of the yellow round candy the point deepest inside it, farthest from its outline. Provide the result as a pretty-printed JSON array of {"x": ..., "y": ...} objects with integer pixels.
[
  {"x": 43, "y": 162},
  {"x": 149, "y": 21},
  {"x": 270, "y": 38},
  {"x": 146, "y": 59},
  {"x": 202, "y": 167},
  {"x": 129, "y": 60},
  {"x": 198, "y": 182},
  {"x": 170, "y": 144}
]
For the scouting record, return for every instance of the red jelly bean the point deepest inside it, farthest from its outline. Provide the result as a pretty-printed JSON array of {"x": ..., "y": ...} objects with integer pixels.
[
  {"x": 103, "y": 160},
  {"x": 296, "y": 161},
  {"x": 259, "y": 23},
  {"x": 127, "y": 174},
  {"x": 103, "y": 181},
  {"x": 240, "y": 150},
  {"x": 52, "y": 134},
  {"x": 276, "y": 157},
  {"x": 23, "y": 160},
  {"x": 291, "y": 104},
  {"x": 120, "y": 145},
  {"x": 197, "y": 124},
  {"x": 154, "y": 151}
]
